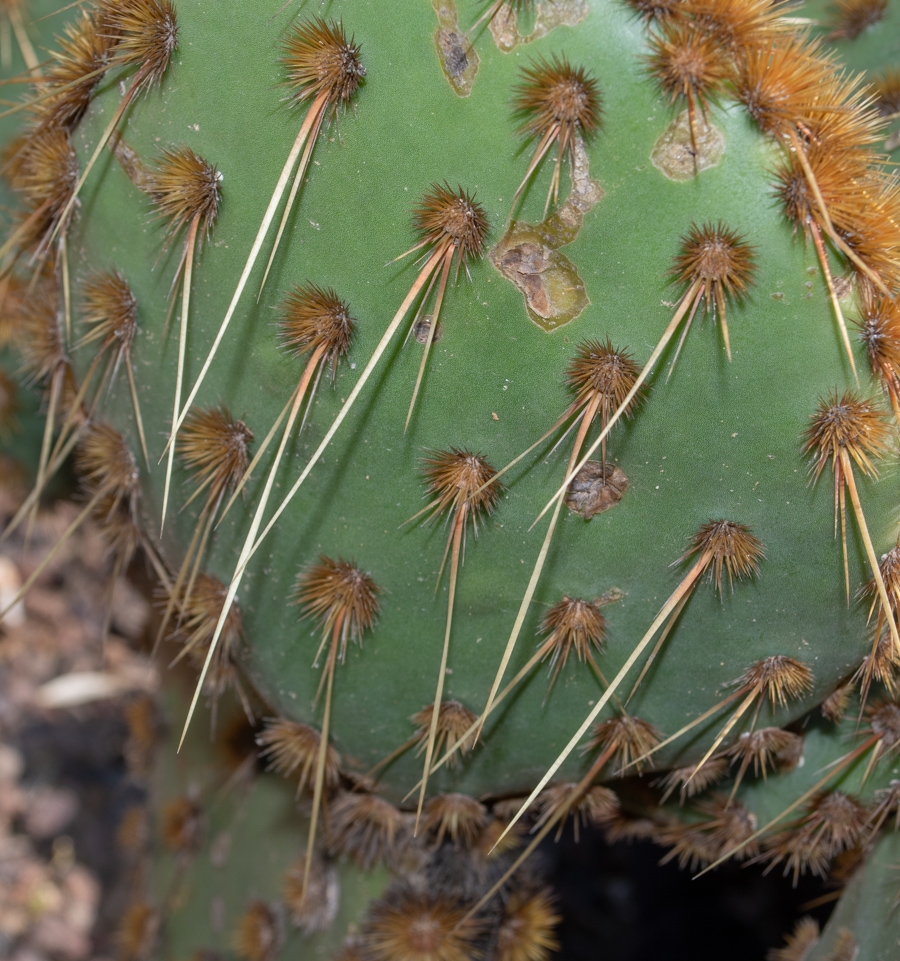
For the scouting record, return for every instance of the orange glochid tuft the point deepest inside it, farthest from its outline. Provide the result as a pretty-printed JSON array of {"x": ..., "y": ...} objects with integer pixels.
[
  {"x": 145, "y": 33},
  {"x": 879, "y": 330},
  {"x": 557, "y": 96},
  {"x": 886, "y": 91},
  {"x": 366, "y": 828},
  {"x": 883, "y": 718},
  {"x": 453, "y": 727},
  {"x": 110, "y": 308},
  {"x": 408, "y": 925},
  {"x": 290, "y": 746},
  {"x": 626, "y": 737},
  {"x": 852, "y": 17},
  {"x": 660, "y": 11},
  {"x": 444, "y": 218},
  {"x": 311, "y": 317},
  {"x": 738, "y": 24},
  {"x": 456, "y": 478},
  {"x": 726, "y": 824},
  {"x": 137, "y": 935},
  {"x": 72, "y": 73},
  {"x": 526, "y": 931},
  {"x": 183, "y": 826},
  {"x": 573, "y": 624},
  {"x": 595, "y": 806},
  {"x": 213, "y": 447},
  {"x": 845, "y": 424},
  {"x": 599, "y": 369},
  {"x": 458, "y": 817},
  {"x": 799, "y": 942},
  {"x": 341, "y": 596},
  {"x": 780, "y": 678},
  {"x": 766, "y": 748},
  {"x": 258, "y": 935},
  {"x": 691, "y": 780},
  {"x": 184, "y": 187},
  {"x": 321, "y": 62},
  {"x": 105, "y": 462},
  {"x": 727, "y": 545},
  {"x": 717, "y": 257},
  {"x": 688, "y": 64}
]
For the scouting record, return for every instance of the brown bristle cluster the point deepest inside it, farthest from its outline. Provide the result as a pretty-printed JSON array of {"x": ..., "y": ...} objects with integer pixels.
[
  {"x": 214, "y": 448},
  {"x": 595, "y": 806},
  {"x": 738, "y": 24},
  {"x": 291, "y": 747},
  {"x": 886, "y": 91},
  {"x": 321, "y": 62},
  {"x": 879, "y": 330},
  {"x": 779, "y": 678},
  {"x": 184, "y": 187},
  {"x": 883, "y": 718},
  {"x": 200, "y": 612},
  {"x": 625, "y": 737},
  {"x": 456, "y": 478},
  {"x": 555, "y": 96},
  {"x": 72, "y": 74},
  {"x": 834, "y": 707},
  {"x": 105, "y": 462},
  {"x": 44, "y": 171},
  {"x": 145, "y": 34},
  {"x": 658, "y": 11},
  {"x": 138, "y": 932},
  {"x": 879, "y": 665},
  {"x": 600, "y": 370},
  {"x": 777, "y": 80},
  {"x": 852, "y": 17},
  {"x": 183, "y": 826},
  {"x": 728, "y": 545},
  {"x": 366, "y": 828},
  {"x": 526, "y": 931},
  {"x": 717, "y": 257},
  {"x": 454, "y": 729},
  {"x": 769, "y": 747},
  {"x": 799, "y": 942},
  {"x": 341, "y": 596},
  {"x": 451, "y": 219},
  {"x": 456, "y": 817},
  {"x": 834, "y": 822},
  {"x": 572, "y": 624},
  {"x": 408, "y": 925},
  {"x": 725, "y": 824},
  {"x": 689, "y": 65},
  {"x": 312, "y": 906},
  {"x": 258, "y": 935},
  {"x": 846, "y": 424},
  {"x": 691, "y": 780},
  {"x": 313, "y": 317},
  {"x": 109, "y": 308}
]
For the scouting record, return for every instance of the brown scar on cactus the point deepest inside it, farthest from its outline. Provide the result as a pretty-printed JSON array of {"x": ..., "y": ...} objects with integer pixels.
[
  {"x": 459, "y": 61},
  {"x": 505, "y": 27},
  {"x": 679, "y": 158},
  {"x": 528, "y": 254}
]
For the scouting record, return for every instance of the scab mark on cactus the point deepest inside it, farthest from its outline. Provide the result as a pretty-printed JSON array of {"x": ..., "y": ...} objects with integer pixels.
[
  {"x": 504, "y": 26},
  {"x": 129, "y": 160},
  {"x": 527, "y": 254},
  {"x": 674, "y": 155},
  {"x": 458, "y": 59},
  {"x": 596, "y": 488}
]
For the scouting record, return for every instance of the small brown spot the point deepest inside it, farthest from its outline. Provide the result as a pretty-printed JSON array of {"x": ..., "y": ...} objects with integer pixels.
[
  {"x": 459, "y": 61},
  {"x": 596, "y": 488},
  {"x": 130, "y": 161},
  {"x": 673, "y": 153},
  {"x": 421, "y": 328}
]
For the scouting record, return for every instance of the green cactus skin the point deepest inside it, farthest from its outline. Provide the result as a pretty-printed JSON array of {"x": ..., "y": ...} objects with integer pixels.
[{"x": 717, "y": 440}]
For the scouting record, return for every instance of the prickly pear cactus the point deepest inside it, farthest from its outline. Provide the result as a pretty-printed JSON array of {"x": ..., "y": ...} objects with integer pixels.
[{"x": 657, "y": 251}]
